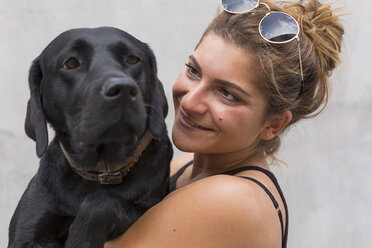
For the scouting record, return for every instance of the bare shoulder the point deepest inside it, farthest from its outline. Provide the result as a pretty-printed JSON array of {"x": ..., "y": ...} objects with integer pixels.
[
  {"x": 218, "y": 211},
  {"x": 179, "y": 161}
]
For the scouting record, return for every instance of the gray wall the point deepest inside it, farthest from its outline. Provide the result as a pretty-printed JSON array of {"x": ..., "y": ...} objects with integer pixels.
[{"x": 327, "y": 174}]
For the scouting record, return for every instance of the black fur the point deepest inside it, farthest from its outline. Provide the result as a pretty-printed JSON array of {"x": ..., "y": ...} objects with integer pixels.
[{"x": 99, "y": 91}]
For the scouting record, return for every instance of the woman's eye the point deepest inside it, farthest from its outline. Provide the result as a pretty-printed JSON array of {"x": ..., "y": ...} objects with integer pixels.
[
  {"x": 71, "y": 63},
  {"x": 131, "y": 59},
  {"x": 192, "y": 71},
  {"x": 228, "y": 95}
]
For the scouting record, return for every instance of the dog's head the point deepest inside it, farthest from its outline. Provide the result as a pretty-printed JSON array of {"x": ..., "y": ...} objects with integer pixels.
[{"x": 98, "y": 89}]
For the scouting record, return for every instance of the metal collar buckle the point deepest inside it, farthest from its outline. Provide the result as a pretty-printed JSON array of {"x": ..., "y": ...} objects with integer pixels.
[{"x": 110, "y": 178}]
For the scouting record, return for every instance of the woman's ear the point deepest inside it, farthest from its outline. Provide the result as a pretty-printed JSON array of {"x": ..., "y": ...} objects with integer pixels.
[{"x": 275, "y": 125}]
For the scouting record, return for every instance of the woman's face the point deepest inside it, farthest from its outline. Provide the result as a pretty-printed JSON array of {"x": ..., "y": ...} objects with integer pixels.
[{"x": 218, "y": 108}]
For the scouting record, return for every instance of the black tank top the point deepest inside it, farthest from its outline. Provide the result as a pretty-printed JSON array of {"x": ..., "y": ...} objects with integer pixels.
[{"x": 174, "y": 178}]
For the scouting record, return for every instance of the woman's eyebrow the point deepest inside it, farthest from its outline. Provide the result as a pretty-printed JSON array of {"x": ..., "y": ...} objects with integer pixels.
[
  {"x": 219, "y": 81},
  {"x": 232, "y": 85},
  {"x": 195, "y": 62}
]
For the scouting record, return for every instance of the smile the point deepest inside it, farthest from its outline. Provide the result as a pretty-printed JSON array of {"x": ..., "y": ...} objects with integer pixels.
[{"x": 190, "y": 124}]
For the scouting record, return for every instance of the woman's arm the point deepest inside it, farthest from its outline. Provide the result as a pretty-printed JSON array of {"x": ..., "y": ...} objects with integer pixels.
[{"x": 218, "y": 211}]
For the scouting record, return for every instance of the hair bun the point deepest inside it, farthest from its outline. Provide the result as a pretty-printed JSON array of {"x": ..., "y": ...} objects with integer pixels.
[{"x": 322, "y": 28}]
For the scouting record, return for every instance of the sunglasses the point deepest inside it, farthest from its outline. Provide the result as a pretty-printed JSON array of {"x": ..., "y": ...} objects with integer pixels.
[{"x": 275, "y": 27}]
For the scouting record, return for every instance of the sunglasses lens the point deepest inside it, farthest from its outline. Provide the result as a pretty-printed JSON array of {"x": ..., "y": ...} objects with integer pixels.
[
  {"x": 238, "y": 6},
  {"x": 278, "y": 27}
]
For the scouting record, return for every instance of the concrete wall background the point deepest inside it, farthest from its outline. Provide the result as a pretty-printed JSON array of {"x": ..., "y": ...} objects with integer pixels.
[{"x": 327, "y": 177}]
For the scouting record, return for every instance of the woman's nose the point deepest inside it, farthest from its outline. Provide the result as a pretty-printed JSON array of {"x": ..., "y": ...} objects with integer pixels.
[
  {"x": 190, "y": 94},
  {"x": 194, "y": 99}
]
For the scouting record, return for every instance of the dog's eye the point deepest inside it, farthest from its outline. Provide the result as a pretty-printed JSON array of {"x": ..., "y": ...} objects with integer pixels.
[
  {"x": 131, "y": 59},
  {"x": 71, "y": 63}
]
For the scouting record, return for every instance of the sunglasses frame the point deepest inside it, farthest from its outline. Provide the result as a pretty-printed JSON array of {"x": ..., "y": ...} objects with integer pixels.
[{"x": 275, "y": 42}]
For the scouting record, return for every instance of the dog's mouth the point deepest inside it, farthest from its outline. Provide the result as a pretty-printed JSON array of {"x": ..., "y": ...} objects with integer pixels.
[
  {"x": 107, "y": 156},
  {"x": 102, "y": 157},
  {"x": 108, "y": 163},
  {"x": 106, "y": 146}
]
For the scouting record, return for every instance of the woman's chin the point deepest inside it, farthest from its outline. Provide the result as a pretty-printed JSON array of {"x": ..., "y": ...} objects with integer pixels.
[{"x": 181, "y": 143}]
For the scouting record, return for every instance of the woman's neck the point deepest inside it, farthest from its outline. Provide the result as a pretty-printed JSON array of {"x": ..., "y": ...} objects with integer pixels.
[{"x": 210, "y": 164}]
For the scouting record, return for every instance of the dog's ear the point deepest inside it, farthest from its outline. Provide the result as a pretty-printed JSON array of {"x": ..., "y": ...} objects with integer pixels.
[
  {"x": 159, "y": 111},
  {"x": 158, "y": 102},
  {"x": 35, "y": 123}
]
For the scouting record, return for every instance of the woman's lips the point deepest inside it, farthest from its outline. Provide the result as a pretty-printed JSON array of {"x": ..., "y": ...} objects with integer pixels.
[{"x": 190, "y": 124}]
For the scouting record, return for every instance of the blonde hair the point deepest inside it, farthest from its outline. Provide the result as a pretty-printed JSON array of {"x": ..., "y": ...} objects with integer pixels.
[{"x": 320, "y": 42}]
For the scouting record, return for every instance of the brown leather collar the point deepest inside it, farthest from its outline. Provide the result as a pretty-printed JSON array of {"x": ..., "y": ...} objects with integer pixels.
[{"x": 110, "y": 175}]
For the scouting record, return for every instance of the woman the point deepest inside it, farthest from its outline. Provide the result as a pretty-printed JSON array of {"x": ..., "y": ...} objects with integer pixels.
[{"x": 238, "y": 92}]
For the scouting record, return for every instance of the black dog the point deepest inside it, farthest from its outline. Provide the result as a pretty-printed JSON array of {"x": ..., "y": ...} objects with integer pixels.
[{"x": 109, "y": 160}]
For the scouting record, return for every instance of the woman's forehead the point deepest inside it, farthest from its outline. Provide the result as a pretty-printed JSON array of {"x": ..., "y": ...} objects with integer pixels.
[{"x": 221, "y": 58}]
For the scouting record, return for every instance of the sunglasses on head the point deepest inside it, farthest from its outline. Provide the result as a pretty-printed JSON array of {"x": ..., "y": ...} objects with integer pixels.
[{"x": 275, "y": 27}]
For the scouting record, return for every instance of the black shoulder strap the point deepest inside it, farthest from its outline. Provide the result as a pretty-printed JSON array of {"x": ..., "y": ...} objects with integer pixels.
[
  {"x": 276, "y": 205},
  {"x": 174, "y": 178}
]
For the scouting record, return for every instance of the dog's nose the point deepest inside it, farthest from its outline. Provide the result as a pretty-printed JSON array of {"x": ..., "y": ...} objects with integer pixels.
[{"x": 116, "y": 88}]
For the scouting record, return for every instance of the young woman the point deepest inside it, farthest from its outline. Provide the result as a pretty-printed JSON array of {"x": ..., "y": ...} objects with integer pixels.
[{"x": 256, "y": 70}]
